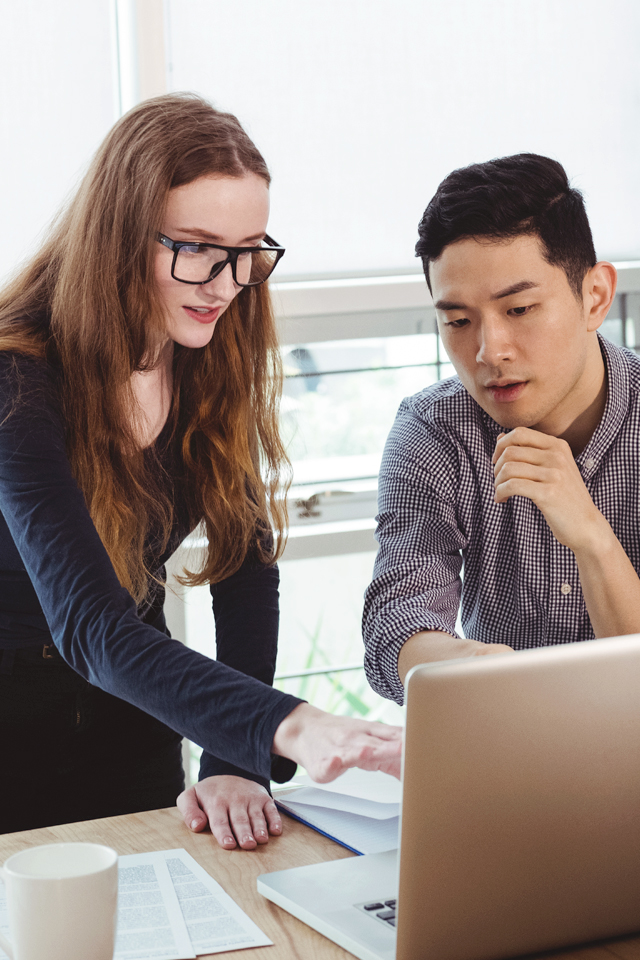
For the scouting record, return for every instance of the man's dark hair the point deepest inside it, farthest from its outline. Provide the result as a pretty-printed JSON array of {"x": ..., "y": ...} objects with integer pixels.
[{"x": 510, "y": 197}]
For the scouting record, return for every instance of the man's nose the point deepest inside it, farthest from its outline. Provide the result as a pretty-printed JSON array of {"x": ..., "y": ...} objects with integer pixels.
[{"x": 494, "y": 344}]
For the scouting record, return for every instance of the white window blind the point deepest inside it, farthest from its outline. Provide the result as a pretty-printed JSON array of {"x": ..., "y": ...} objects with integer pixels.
[
  {"x": 361, "y": 107},
  {"x": 56, "y": 104}
]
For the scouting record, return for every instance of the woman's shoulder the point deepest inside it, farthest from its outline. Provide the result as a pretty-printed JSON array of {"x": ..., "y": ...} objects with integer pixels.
[{"x": 28, "y": 380}]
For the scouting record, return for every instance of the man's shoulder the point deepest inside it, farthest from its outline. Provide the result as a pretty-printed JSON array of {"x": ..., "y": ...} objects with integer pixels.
[
  {"x": 632, "y": 363},
  {"x": 623, "y": 371},
  {"x": 444, "y": 404},
  {"x": 435, "y": 433},
  {"x": 434, "y": 427}
]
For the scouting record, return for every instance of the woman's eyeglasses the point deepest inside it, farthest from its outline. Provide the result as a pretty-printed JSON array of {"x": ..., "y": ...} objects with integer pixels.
[{"x": 201, "y": 262}]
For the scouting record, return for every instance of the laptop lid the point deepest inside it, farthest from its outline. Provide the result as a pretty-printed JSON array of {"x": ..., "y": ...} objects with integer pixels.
[{"x": 520, "y": 824}]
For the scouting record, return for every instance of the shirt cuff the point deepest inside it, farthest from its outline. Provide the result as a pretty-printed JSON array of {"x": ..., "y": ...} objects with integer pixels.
[
  {"x": 282, "y": 770},
  {"x": 381, "y": 659}
]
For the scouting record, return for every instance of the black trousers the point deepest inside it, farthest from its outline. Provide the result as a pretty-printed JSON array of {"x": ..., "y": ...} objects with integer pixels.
[{"x": 69, "y": 751}]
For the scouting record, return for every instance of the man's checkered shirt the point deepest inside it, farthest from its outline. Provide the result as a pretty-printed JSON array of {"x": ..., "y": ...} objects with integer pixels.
[{"x": 436, "y": 511}]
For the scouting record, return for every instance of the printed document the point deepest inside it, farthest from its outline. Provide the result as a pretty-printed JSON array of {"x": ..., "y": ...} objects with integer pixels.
[
  {"x": 150, "y": 922},
  {"x": 215, "y": 922}
]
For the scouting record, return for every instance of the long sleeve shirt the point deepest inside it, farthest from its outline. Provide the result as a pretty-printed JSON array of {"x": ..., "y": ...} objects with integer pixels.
[
  {"x": 437, "y": 512},
  {"x": 57, "y": 582}
]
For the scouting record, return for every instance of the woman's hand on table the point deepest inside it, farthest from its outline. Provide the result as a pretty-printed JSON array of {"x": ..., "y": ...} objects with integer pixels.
[
  {"x": 238, "y": 811},
  {"x": 241, "y": 812},
  {"x": 326, "y": 745}
]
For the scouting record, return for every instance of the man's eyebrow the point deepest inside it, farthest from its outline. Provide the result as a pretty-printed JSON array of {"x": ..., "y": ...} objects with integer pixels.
[
  {"x": 507, "y": 292},
  {"x": 449, "y": 305},
  {"x": 515, "y": 288},
  {"x": 196, "y": 232}
]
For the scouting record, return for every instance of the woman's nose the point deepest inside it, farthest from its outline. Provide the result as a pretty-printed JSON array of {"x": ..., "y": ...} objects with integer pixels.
[{"x": 222, "y": 286}]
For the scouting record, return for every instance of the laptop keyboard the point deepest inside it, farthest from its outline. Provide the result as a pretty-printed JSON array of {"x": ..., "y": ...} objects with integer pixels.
[{"x": 382, "y": 910}]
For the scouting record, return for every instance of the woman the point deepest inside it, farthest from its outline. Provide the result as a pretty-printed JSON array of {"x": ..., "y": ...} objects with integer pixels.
[{"x": 139, "y": 381}]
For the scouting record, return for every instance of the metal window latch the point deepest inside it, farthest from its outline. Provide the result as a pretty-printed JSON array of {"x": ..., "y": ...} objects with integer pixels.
[
  {"x": 314, "y": 506},
  {"x": 307, "y": 508}
]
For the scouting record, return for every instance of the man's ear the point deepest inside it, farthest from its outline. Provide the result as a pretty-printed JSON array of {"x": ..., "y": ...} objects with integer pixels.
[{"x": 598, "y": 291}]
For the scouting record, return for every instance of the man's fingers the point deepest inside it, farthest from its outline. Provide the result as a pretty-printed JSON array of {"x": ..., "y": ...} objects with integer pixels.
[
  {"x": 519, "y": 455},
  {"x": 523, "y": 437},
  {"x": 518, "y": 487},
  {"x": 192, "y": 813},
  {"x": 527, "y": 471},
  {"x": 491, "y": 648}
]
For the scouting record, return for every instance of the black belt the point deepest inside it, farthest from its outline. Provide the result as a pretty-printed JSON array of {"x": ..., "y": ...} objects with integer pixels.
[{"x": 48, "y": 651}]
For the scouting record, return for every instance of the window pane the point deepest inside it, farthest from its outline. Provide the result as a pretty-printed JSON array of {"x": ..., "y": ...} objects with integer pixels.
[
  {"x": 341, "y": 398},
  {"x": 321, "y": 611},
  {"x": 321, "y": 603},
  {"x": 346, "y": 693},
  {"x": 622, "y": 325}
]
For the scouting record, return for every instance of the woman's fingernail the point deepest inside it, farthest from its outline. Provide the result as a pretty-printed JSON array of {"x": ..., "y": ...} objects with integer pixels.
[
  {"x": 247, "y": 839},
  {"x": 261, "y": 833},
  {"x": 228, "y": 840},
  {"x": 276, "y": 828},
  {"x": 195, "y": 824}
]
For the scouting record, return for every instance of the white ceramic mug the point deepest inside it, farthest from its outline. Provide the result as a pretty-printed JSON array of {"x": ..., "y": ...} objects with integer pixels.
[{"x": 62, "y": 902}]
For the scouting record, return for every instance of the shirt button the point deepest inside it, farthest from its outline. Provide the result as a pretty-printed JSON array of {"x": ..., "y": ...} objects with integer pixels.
[
  {"x": 565, "y": 589},
  {"x": 589, "y": 463}
]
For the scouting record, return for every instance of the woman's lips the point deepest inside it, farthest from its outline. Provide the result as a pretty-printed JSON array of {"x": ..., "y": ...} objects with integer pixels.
[
  {"x": 202, "y": 316},
  {"x": 508, "y": 392}
]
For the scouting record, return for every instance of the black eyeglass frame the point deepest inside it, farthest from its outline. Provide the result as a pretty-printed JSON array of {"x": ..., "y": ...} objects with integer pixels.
[{"x": 232, "y": 257}]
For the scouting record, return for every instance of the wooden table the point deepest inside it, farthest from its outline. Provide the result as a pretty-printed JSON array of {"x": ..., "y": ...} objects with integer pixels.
[{"x": 237, "y": 870}]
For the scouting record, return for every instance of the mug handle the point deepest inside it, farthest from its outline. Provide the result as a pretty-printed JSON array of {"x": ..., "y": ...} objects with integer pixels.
[{"x": 4, "y": 943}]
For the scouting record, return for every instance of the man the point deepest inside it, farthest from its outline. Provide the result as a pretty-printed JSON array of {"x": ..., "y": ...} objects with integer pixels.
[{"x": 526, "y": 464}]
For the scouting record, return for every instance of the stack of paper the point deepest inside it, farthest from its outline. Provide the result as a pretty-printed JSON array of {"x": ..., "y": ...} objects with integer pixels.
[{"x": 360, "y": 810}]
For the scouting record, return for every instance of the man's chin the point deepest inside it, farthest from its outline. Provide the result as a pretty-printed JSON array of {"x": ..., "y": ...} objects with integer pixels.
[{"x": 510, "y": 416}]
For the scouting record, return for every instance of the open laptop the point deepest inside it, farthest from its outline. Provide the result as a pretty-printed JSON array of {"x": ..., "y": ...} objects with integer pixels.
[{"x": 520, "y": 827}]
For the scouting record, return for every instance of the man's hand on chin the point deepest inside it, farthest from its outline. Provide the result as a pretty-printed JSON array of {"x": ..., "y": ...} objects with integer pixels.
[
  {"x": 534, "y": 465},
  {"x": 527, "y": 463}
]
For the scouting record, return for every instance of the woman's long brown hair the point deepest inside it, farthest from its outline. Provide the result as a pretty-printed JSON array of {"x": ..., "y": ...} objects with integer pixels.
[{"x": 93, "y": 282}]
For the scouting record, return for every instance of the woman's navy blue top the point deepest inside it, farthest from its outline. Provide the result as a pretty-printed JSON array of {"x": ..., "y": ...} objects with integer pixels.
[{"x": 57, "y": 582}]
